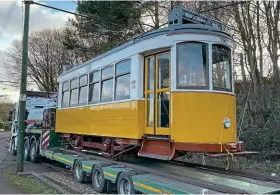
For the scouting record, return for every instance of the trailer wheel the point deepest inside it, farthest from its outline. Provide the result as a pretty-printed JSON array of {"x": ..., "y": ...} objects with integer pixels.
[
  {"x": 125, "y": 183},
  {"x": 26, "y": 150},
  {"x": 80, "y": 174},
  {"x": 99, "y": 183},
  {"x": 14, "y": 152},
  {"x": 35, "y": 157}
]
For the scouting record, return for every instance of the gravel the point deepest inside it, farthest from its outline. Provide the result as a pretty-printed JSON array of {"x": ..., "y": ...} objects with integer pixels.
[{"x": 69, "y": 182}]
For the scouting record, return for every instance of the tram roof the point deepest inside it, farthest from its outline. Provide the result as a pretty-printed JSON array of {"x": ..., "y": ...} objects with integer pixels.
[{"x": 176, "y": 29}]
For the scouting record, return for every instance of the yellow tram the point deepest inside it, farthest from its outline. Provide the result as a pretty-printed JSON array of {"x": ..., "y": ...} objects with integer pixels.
[{"x": 166, "y": 91}]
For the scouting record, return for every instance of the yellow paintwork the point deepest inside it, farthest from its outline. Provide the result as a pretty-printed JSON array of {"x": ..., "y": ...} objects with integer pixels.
[
  {"x": 195, "y": 118},
  {"x": 123, "y": 119},
  {"x": 198, "y": 117}
]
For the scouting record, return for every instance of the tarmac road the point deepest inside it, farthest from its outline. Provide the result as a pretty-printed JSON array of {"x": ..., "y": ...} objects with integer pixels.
[{"x": 5, "y": 163}]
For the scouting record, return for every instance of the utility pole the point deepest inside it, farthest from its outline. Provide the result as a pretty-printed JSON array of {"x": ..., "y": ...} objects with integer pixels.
[{"x": 22, "y": 96}]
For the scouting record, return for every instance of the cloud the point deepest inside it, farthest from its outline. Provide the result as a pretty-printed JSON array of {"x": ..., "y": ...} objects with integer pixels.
[{"x": 40, "y": 18}]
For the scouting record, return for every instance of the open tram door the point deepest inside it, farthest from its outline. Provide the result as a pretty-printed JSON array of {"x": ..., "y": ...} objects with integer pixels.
[{"x": 156, "y": 142}]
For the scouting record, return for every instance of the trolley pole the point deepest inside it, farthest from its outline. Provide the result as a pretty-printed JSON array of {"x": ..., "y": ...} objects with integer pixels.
[{"x": 22, "y": 96}]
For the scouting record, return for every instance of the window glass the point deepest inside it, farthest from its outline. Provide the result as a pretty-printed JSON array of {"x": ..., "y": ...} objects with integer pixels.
[
  {"x": 151, "y": 73},
  {"x": 94, "y": 93},
  {"x": 83, "y": 95},
  {"x": 150, "y": 109},
  {"x": 192, "y": 65},
  {"x": 107, "y": 91},
  {"x": 94, "y": 76},
  {"x": 74, "y": 97},
  {"x": 163, "y": 109},
  {"x": 83, "y": 80},
  {"x": 107, "y": 72},
  {"x": 123, "y": 87},
  {"x": 221, "y": 57},
  {"x": 123, "y": 67},
  {"x": 163, "y": 70},
  {"x": 65, "y": 86},
  {"x": 74, "y": 83},
  {"x": 65, "y": 99}
]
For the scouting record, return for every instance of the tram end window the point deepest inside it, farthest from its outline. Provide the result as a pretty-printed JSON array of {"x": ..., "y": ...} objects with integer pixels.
[
  {"x": 221, "y": 67},
  {"x": 192, "y": 65}
]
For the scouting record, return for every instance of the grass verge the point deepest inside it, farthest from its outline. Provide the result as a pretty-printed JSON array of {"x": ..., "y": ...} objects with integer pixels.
[{"x": 26, "y": 184}]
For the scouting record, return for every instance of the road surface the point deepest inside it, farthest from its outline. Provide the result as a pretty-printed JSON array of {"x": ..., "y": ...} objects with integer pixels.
[{"x": 5, "y": 163}]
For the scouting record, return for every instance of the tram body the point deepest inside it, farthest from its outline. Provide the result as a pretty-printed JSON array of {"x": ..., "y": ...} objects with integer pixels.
[{"x": 167, "y": 91}]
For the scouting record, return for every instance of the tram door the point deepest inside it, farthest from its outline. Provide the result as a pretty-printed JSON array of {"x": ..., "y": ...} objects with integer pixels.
[{"x": 157, "y": 94}]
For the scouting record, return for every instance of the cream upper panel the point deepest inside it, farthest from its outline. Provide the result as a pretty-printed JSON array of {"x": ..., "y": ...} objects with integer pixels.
[{"x": 164, "y": 41}]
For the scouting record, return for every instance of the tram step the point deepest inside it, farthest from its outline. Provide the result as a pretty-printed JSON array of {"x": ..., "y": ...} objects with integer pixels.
[{"x": 158, "y": 149}]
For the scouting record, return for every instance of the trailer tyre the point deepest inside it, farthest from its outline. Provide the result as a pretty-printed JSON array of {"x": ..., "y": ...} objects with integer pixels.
[
  {"x": 125, "y": 183},
  {"x": 80, "y": 174},
  {"x": 26, "y": 150},
  {"x": 99, "y": 183},
  {"x": 14, "y": 152},
  {"x": 35, "y": 157}
]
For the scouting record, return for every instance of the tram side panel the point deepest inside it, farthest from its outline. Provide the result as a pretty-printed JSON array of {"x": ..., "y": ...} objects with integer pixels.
[{"x": 122, "y": 119}]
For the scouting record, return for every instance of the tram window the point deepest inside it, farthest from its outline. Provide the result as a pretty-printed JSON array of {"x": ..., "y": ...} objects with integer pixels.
[
  {"x": 123, "y": 67},
  {"x": 94, "y": 93},
  {"x": 74, "y": 83},
  {"x": 107, "y": 72},
  {"x": 65, "y": 86},
  {"x": 65, "y": 95},
  {"x": 122, "y": 87},
  {"x": 122, "y": 80},
  {"x": 83, "y": 90},
  {"x": 94, "y": 77},
  {"x": 107, "y": 90},
  {"x": 192, "y": 65},
  {"x": 74, "y": 92},
  {"x": 221, "y": 56},
  {"x": 94, "y": 80}
]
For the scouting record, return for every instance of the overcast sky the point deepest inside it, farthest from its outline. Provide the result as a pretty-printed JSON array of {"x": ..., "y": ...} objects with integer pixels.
[{"x": 40, "y": 18}]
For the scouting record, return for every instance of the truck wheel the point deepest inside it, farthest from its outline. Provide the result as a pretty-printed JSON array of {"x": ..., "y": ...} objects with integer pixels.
[
  {"x": 35, "y": 157},
  {"x": 125, "y": 183},
  {"x": 26, "y": 150},
  {"x": 99, "y": 183},
  {"x": 14, "y": 152},
  {"x": 80, "y": 174}
]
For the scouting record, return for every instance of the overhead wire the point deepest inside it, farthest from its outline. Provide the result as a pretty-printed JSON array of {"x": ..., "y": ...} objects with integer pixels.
[{"x": 76, "y": 14}]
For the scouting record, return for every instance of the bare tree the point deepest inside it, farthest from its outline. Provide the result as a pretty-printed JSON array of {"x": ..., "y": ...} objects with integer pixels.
[
  {"x": 47, "y": 55},
  {"x": 272, "y": 11}
]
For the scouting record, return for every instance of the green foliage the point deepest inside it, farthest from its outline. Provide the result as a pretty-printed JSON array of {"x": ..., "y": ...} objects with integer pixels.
[
  {"x": 5, "y": 107},
  {"x": 260, "y": 127},
  {"x": 122, "y": 13},
  {"x": 91, "y": 36}
]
